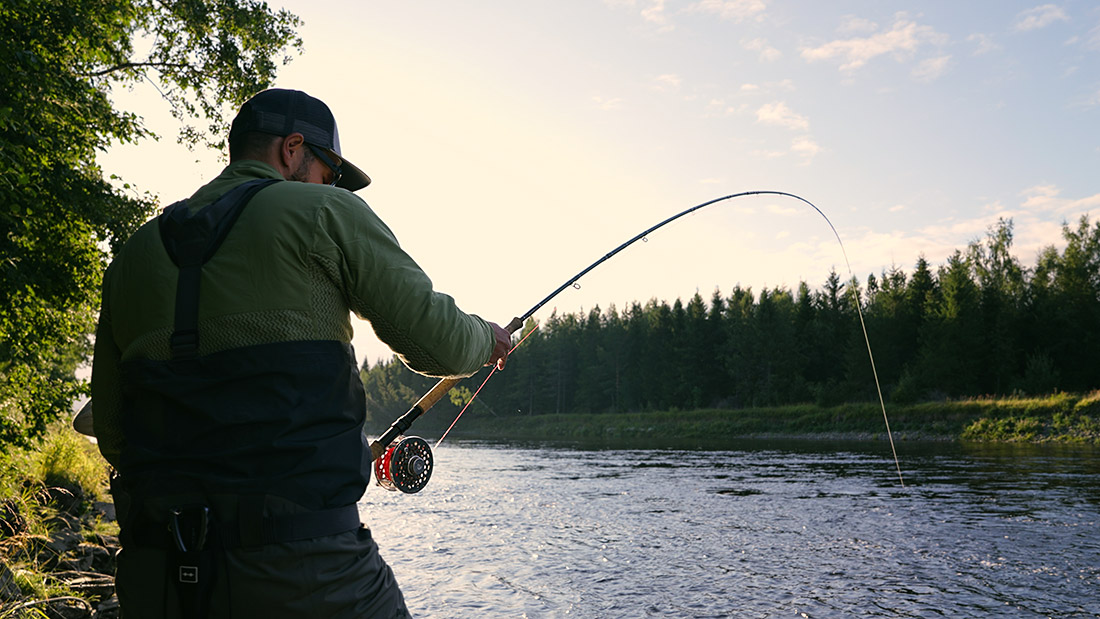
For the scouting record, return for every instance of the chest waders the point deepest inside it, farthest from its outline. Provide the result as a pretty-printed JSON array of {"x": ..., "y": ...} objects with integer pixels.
[{"x": 191, "y": 534}]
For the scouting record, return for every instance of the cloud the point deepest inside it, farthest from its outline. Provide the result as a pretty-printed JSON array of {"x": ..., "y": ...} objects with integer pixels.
[
  {"x": 1039, "y": 17},
  {"x": 1039, "y": 196},
  {"x": 984, "y": 43},
  {"x": 719, "y": 107},
  {"x": 767, "y": 52},
  {"x": 805, "y": 147},
  {"x": 655, "y": 14},
  {"x": 768, "y": 154},
  {"x": 668, "y": 81},
  {"x": 785, "y": 85},
  {"x": 608, "y": 103},
  {"x": 1035, "y": 222},
  {"x": 784, "y": 210},
  {"x": 1046, "y": 198},
  {"x": 852, "y": 24},
  {"x": 1094, "y": 38},
  {"x": 781, "y": 115},
  {"x": 1036, "y": 225},
  {"x": 931, "y": 68},
  {"x": 732, "y": 10},
  {"x": 903, "y": 39},
  {"x": 653, "y": 11}
]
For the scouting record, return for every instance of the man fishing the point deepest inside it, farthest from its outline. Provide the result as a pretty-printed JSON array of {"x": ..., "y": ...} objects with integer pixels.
[{"x": 227, "y": 395}]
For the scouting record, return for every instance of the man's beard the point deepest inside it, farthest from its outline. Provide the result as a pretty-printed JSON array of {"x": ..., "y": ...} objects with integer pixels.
[{"x": 301, "y": 174}]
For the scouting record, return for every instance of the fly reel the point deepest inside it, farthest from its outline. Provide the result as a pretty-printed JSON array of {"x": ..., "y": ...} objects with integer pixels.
[{"x": 406, "y": 465}]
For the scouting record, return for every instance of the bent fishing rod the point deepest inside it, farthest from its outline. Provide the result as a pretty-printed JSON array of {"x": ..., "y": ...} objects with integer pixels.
[{"x": 408, "y": 464}]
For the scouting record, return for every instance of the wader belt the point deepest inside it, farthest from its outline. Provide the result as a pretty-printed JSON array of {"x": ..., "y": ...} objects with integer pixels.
[
  {"x": 250, "y": 531},
  {"x": 191, "y": 240}
]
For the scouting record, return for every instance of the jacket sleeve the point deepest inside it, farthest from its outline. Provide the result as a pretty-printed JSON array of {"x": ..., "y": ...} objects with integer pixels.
[{"x": 386, "y": 287}]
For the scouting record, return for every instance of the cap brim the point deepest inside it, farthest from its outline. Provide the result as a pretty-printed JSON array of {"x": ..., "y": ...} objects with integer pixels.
[{"x": 353, "y": 178}]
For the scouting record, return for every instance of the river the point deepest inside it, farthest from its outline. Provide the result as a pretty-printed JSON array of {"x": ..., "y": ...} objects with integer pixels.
[{"x": 754, "y": 529}]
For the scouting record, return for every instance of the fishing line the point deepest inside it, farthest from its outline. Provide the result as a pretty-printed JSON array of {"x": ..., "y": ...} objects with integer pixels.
[{"x": 643, "y": 236}]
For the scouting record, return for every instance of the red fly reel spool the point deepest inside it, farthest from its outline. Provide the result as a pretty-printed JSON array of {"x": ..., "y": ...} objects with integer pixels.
[{"x": 406, "y": 465}]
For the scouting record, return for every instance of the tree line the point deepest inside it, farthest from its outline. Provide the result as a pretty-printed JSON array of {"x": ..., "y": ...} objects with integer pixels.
[{"x": 980, "y": 324}]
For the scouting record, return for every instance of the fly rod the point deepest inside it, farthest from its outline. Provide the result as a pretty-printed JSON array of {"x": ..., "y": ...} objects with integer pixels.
[{"x": 409, "y": 464}]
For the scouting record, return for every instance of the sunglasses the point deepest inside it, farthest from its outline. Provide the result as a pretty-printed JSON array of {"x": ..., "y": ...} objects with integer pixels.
[{"x": 337, "y": 172}]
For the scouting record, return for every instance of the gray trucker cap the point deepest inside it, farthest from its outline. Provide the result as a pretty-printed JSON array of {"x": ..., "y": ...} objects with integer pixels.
[{"x": 281, "y": 112}]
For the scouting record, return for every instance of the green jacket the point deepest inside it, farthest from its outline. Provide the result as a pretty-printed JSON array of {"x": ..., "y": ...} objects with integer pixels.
[{"x": 297, "y": 262}]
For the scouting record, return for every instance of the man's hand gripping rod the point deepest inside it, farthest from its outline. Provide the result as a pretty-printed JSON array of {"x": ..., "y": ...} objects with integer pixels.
[{"x": 428, "y": 400}]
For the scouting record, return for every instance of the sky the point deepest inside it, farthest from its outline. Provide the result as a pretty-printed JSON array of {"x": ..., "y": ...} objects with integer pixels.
[{"x": 511, "y": 144}]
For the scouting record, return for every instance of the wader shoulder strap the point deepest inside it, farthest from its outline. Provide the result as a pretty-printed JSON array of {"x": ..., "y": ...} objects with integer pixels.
[{"x": 191, "y": 240}]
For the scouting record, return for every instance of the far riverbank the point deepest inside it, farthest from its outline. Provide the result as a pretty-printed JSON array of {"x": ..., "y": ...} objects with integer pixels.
[{"x": 1067, "y": 418}]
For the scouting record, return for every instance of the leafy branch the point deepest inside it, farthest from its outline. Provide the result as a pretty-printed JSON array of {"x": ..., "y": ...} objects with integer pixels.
[{"x": 131, "y": 65}]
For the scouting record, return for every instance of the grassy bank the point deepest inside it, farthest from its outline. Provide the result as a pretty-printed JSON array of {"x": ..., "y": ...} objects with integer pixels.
[
  {"x": 1056, "y": 418},
  {"x": 56, "y": 544}
]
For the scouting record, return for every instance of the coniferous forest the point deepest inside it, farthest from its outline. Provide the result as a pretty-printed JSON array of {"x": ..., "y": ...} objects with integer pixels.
[{"x": 979, "y": 324}]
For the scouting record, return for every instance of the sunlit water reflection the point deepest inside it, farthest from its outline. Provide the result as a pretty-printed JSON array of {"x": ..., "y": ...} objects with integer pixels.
[{"x": 758, "y": 530}]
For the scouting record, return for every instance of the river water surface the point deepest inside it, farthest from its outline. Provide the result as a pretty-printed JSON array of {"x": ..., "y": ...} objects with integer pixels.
[{"x": 756, "y": 529}]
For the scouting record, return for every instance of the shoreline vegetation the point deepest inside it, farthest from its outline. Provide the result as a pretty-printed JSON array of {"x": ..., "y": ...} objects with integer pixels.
[
  {"x": 1059, "y": 418},
  {"x": 58, "y": 537}
]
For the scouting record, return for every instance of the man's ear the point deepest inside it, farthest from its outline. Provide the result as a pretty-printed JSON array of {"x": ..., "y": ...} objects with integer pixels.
[{"x": 289, "y": 149}]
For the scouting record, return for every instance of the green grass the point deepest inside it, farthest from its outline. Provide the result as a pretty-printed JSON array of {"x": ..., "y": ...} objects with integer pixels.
[
  {"x": 1061, "y": 418},
  {"x": 61, "y": 459},
  {"x": 68, "y": 460}
]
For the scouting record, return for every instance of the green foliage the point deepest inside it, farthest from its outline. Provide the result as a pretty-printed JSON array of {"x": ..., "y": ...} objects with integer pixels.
[
  {"x": 1009, "y": 429},
  {"x": 391, "y": 389},
  {"x": 460, "y": 396},
  {"x": 1040, "y": 374},
  {"x": 1061, "y": 417},
  {"x": 15, "y": 467},
  {"x": 60, "y": 216}
]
